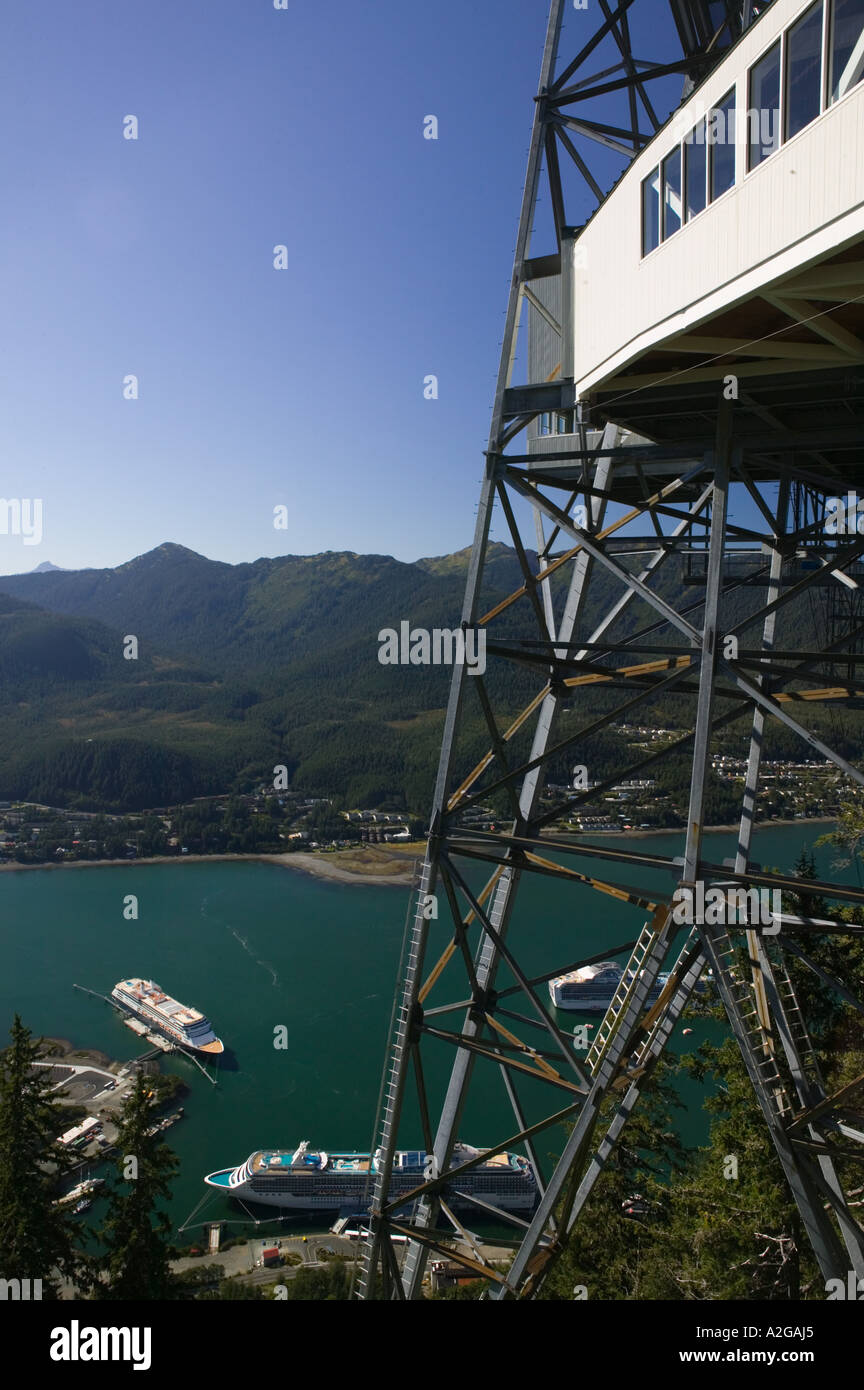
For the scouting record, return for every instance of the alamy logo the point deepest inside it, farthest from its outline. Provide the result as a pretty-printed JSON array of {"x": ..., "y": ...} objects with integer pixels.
[
  {"x": 20, "y": 1290},
  {"x": 22, "y": 516},
  {"x": 440, "y": 646},
  {"x": 77, "y": 1343},
  {"x": 720, "y": 125},
  {"x": 853, "y": 1289},
  {"x": 844, "y": 516},
  {"x": 694, "y": 905}
]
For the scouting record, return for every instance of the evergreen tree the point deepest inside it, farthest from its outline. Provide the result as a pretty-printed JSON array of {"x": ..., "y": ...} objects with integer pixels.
[
  {"x": 835, "y": 1028},
  {"x": 848, "y": 835},
  {"x": 234, "y": 1290},
  {"x": 135, "y": 1232},
  {"x": 330, "y": 1283},
  {"x": 613, "y": 1252},
  {"x": 735, "y": 1231},
  {"x": 37, "y": 1239}
]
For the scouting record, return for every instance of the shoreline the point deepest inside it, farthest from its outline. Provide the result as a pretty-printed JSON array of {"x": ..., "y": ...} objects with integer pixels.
[
  {"x": 317, "y": 866},
  {"x": 327, "y": 868},
  {"x": 708, "y": 829}
]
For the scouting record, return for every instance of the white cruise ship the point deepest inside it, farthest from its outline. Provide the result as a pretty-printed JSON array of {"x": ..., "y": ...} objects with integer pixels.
[
  {"x": 590, "y": 989},
  {"x": 167, "y": 1016},
  {"x": 307, "y": 1179}
]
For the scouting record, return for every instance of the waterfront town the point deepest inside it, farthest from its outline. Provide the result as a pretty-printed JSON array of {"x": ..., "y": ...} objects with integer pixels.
[{"x": 262, "y": 822}]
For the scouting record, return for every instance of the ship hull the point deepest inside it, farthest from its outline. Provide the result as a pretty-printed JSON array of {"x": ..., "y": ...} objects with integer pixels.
[
  {"x": 586, "y": 1005},
  {"x": 346, "y": 1183},
  {"x": 357, "y": 1200}
]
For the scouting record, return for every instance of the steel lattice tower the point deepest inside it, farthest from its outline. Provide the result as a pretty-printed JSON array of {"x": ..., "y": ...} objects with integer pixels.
[{"x": 656, "y": 453}]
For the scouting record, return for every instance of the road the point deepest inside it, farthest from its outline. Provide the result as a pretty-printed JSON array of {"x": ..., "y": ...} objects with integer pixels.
[{"x": 245, "y": 1260}]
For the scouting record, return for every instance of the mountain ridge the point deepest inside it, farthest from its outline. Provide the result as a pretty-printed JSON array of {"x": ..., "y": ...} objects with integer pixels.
[
  {"x": 242, "y": 667},
  {"x": 196, "y": 607},
  {"x": 238, "y": 667}
]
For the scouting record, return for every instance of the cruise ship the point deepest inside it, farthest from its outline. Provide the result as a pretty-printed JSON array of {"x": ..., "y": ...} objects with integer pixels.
[
  {"x": 305, "y": 1179},
  {"x": 590, "y": 989},
  {"x": 164, "y": 1015}
]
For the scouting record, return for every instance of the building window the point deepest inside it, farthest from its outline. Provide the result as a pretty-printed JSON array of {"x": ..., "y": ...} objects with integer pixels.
[
  {"x": 695, "y": 172},
  {"x": 763, "y": 108},
  {"x": 651, "y": 211},
  {"x": 557, "y": 422},
  {"x": 846, "y": 51},
  {"x": 721, "y": 143},
  {"x": 803, "y": 71},
  {"x": 671, "y": 193}
]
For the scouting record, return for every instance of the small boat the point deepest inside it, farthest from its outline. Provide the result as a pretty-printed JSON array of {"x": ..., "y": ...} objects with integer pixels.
[
  {"x": 84, "y": 1205},
  {"x": 81, "y": 1191}
]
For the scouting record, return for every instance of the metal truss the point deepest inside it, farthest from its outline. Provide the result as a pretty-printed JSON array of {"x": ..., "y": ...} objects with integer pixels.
[{"x": 465, "y": 986}]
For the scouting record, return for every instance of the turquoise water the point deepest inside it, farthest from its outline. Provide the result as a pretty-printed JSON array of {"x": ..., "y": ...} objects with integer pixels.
[{"x": 260, "y": 949}]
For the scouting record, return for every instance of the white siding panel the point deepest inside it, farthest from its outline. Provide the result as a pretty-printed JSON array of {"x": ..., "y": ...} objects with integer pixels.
[{"x": 803, "y": 201}]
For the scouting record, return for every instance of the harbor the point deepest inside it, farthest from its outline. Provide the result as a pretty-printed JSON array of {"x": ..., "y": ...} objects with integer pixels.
[
  {"x": 273, "y": 968},
  {"x": 88, "y": 1081}
]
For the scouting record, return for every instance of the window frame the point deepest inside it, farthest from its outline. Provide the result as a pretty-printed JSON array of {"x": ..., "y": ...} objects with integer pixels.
[
  {"x": 656, "y": 171},
  {"x": 675, "y": 151},
  {"x": 827, "y": 58},
  {"x": 687, "y": 144},
  {"x": 718, "y": 106},
  {"x": 785, "y": 137},
  {"x": 780, "y": 44}
]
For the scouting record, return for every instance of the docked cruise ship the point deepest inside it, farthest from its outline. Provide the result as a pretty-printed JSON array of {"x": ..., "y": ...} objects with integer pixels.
[
  {"x": 590, "y": 989},
  {"x": 307, "y": 1179},
  {"x": 164, "y": 1015}
]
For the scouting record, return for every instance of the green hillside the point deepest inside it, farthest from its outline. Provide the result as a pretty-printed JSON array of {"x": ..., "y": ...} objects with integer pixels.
[{"x": 242, "y": 667}]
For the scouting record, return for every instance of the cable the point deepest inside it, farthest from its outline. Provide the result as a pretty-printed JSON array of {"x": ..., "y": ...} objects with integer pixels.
[{"x": 707, "y": 361}]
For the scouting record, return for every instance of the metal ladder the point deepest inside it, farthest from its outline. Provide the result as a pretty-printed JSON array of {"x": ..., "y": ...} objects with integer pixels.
[
  {"x": 620, "y": 999},
  {"x": 644, "y": 1048},
  {"x": 748, "y": 1014},
  {"x": 795, "y": 1018},
  {"x": 365, "y": 1282},
  {"x": 389, "y": 1090}
]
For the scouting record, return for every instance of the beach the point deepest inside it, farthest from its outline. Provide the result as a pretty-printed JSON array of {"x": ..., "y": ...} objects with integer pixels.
[
  {"x": 382, "y": 870},
  {"x": 382, "y": 866}
]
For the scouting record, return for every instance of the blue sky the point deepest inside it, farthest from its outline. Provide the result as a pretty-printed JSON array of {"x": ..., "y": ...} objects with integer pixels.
[{"x": 258, "y": 387}]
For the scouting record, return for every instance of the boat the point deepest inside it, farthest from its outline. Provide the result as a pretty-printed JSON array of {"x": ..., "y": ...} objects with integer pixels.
[
  {"x": 166, "y": 1122},
  {"x": 79, "y": 1191},
  {"x": 84, "y": 1205},
  {"x": 591, "y": 988},
  {"x": 306, "y": 1179},
  {"x": 179, "y": 1024}
]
